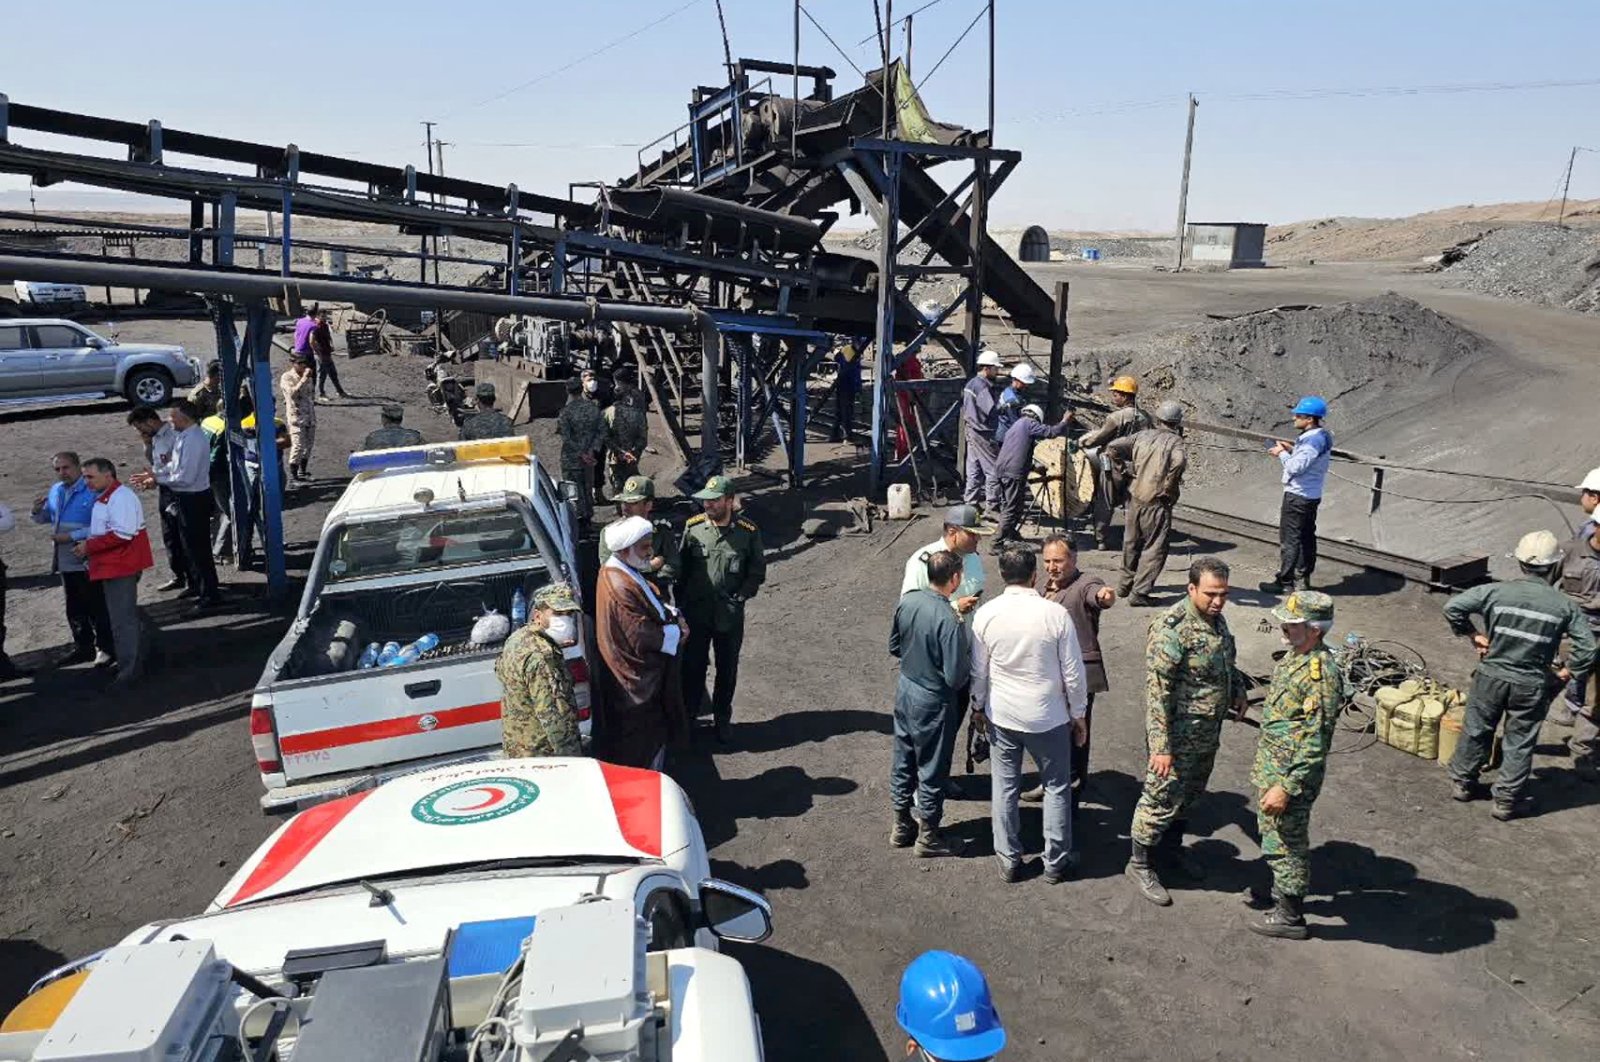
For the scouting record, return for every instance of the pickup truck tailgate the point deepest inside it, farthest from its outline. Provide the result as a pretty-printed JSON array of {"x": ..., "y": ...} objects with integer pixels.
[{"x": 384, "y": 716}]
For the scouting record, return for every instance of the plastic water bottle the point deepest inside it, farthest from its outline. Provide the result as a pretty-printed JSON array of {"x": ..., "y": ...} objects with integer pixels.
[
  {"x": 370, "y": 657},
  {"x": 388, "y": 653},
  {"x": 519, "y": 609},
  {"x": 411, "y": 653}
]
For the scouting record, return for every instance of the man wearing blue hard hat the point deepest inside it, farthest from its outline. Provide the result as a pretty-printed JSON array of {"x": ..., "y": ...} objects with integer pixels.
[
  {"x": 946, "y": 1010},
  {"x": 1305, "y": 469}
]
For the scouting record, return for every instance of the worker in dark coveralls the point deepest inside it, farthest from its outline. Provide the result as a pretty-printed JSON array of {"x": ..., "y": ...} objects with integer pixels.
[
  {"x": 539, "y": 711},
  {"x": 934, "y": 650},
  {"x": 1517, "y": 678},
  {"x": 1303, "y": 704},
  {"x": 393, "y": 433},
  {"x": 1190, "y": 683},
  {"x": 978, "y": 413},
  {"x": 1125, "y": 418},
  {"x": 1011, "y": 468},
  {"x": 1155, "y": 458}
]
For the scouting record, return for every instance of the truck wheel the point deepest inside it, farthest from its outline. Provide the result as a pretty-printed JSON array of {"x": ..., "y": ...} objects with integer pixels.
[{"x": 149, "y": 387}]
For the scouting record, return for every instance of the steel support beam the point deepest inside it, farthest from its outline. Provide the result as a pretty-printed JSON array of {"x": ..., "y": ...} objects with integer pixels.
[{"x": 259, "y": 323}]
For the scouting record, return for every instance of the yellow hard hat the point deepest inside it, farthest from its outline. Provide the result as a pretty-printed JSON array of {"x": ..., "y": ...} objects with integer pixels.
[{"x": 1126, "y": 384}]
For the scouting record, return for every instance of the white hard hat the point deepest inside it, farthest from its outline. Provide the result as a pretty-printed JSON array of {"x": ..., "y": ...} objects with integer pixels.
[
  {"x": 988, "y": 357},
  {"x": 1591, "y": 482},
  {"x": 1031, "y": 410},
  {"x": 1024, "y": 372},
  {"x": 1538, "y": 549}
]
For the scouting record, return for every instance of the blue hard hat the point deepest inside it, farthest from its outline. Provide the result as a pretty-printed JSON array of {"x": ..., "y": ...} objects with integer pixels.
[
  {"x": 945, "y": 1007},
  {"x": 1311, "y": 406}
]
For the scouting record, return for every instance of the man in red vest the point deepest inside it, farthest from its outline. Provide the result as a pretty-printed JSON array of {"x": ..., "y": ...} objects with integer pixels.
[{"x": 118, "y": 550}]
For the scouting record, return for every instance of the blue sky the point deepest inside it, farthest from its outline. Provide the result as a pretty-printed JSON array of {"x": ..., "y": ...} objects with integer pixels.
[{"x": 1093, "y": 94}]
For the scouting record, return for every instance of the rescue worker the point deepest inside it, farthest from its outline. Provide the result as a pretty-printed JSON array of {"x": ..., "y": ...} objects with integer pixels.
[
  {"x": 1303, "y": 704},
  {"x": 1011, "y": 468},
  {"x": 721, "y": 566},
  {"x": 582, "y": 432},
  {"x": 1008, "y": 407},
  {"x": 1305, "y": 469},
  {"x": 638, "y": 498},
  {"x": 946, "y": 1010},
  {"x": 934, "y": 650},
  {"x": 1589, "y": 499},
  {"x": 488, "y": 422},
  {"x": 1125, "y": 418},
  {"x": 207, "y": 395},
  {"x": 1190, "y": 684},
  {"x": 1155, "y": 459},
  {"x": 300, "y": 411},
  {"x": 978, "y": 417},
  {"x": 1524, "y": 621},
  {"x": 627, "y": 429},
  {"x": 539, "y": 712},
  {"x": 1580, "y": 581},
  {"x": 392, "y": 434}
]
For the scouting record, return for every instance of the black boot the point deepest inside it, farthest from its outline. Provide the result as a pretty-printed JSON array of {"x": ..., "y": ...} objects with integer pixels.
[
  {"x": 931, "y": 842},
  {"x": 1179, "y": 860},
  {"x": 904, "y": 830},
  {"x": 1283, "y": 921},
  {"x": 1142, "y": 874},
  {"x": 8, "y": 669},
  {"x": 1276, "y": 586}
]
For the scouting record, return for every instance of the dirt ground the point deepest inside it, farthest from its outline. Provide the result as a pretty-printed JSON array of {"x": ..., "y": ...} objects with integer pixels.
[{"x": 1439, "y": 933}]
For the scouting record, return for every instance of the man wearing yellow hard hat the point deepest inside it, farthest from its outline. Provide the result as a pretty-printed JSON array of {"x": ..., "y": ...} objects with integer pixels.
[{"x": 1125, "y": 418}]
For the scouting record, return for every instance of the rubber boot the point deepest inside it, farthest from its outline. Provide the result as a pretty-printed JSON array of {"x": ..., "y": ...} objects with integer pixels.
[
  {"x": 1179, "y": 860},
  {"x": 1283, "y": 921},
  {"x": 904, "y": 830},
  {"x": 932, "y": 843},
  {"x": 1143, "y": 875}
]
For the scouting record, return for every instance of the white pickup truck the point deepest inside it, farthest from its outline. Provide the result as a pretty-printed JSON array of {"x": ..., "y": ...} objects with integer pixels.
[{"x": 424, "y": 540}]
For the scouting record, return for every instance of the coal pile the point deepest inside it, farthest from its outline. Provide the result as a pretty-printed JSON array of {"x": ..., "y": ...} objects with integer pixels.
[{"x": 1545, "y": 264}]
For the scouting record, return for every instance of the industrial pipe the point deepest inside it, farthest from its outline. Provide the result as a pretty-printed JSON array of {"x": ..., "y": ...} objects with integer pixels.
[{"x": 253, "y": 285}]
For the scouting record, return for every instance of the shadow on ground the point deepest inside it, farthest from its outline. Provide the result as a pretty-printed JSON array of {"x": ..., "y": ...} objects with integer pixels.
[{"x": 816, "y": 1009}]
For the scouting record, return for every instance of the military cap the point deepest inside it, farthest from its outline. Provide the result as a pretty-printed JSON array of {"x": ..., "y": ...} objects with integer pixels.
[
  {"x": 485, "y": 389},
  {"x": 637, "y": 489},
  {"x": 716, "y": 487},
  {"x": 557, "y": 597},
  {"x": 394, "y": 412},
  {"x": 1305, "y": 606},
  {"x": 574, "y": 385}
]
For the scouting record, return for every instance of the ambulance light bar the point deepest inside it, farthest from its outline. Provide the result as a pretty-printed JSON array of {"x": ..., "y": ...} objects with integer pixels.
[{"x": 511, "y": 449}]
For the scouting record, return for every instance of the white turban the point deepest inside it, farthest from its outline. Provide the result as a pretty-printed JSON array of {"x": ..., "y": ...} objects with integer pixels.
[{"x": 624, "y": 534}]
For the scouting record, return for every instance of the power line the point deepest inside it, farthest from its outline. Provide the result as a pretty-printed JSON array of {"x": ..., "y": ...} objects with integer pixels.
[
  {"x": 841, "y": 51},
  {"x": 952, "y": 48},
  {"x": 879, "y": 35}
]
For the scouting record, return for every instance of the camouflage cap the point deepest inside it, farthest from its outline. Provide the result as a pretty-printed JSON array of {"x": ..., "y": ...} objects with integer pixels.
[
  {"x": 485, "y": 389},
  {"x": 1305, "y": 606},
  {"x": 716, "y": 487},
  {"x": 557, "y": 597},
  {"x": 636, "y": 489}
]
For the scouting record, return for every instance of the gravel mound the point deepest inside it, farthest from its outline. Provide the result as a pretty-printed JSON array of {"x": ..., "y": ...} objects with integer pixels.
[{"x": 1534, "y": 263}]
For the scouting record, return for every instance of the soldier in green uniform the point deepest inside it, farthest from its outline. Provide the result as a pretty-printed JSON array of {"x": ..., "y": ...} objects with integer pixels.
[
  {"x": 488, "y": 422},
  {"x": 539, "y": 712},
  {"x": 1191, "y": 683},
  {"x": 721, "y": 567},
  {"x": 627, "y": 430},
  {"x": 393, "y": 433},
  {"x": 582, "y": 432},
  {"x": 638, "y": 498},
  {"x": 1302, "y": 707}
]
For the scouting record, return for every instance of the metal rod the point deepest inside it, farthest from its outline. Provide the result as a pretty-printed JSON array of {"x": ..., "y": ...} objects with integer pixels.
[
  {"x": 1565, "y": 186},
  {"x": 1058, "y": 344},
  {"x": 710, "y": 355},
  {"x": 991, "y": 71},
  {"x": 794, "y": 117},
  {"x": 1183, "y": 190}
]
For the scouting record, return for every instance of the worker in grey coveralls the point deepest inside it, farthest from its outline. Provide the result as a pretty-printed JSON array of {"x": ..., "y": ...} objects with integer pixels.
[
  {"x": 1517, "y": 676},
  {"x": 933, "y": 647},
  {"x": 1157, "y": 460},
  {"x": 978, "y": 413}
]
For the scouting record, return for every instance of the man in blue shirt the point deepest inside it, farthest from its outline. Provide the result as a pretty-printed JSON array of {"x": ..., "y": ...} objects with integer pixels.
[
  {"x": 1008, "y": 407},
  {"x": 66, "y": 509},
  {"x": 978, "y": 419},
  {"x": 1011, "y": 468},
  {"x": 1305, "y": 468}
]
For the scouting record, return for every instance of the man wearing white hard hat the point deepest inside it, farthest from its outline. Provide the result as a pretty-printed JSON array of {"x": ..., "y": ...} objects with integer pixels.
[
  {"x": 1009, "y": 406},
  {"x": 1014, "y": 464},
  {"x": 978, "y": 412},
  {"x": 1518, "y": 675},
  {"x": 1589, "y": 498},
  {"x": 638, "y": 635}
]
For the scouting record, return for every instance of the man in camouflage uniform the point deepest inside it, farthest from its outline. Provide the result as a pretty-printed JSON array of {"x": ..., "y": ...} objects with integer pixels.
[
  {"x": 392, "y": 434},
  {"x": 722, "y": 567},
  {"x": 637, "y": 498},
  {"x": 207, "y": 394},
  {"x": 627, "y": 430},
  {"x": 539, "y": 712},
  {"x": 582, "y": 432},
  {"x": 488, "y": 422},
  {"x": 1302, "y": 707},
  {"x": 1191, "y": 683}
]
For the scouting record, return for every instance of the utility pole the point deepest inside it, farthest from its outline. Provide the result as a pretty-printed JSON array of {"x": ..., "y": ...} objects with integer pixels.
[
  {"x": 423, "y": 272},
  {"x": 1565, "y": 185},
  {"x": 1183, "y": 190},
  {"x": 794, "y": 118},
  {"x": 908, "y": 42},
  {"x": 439, "y": 146}
]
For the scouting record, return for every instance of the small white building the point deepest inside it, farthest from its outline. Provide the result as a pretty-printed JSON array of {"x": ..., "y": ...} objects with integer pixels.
[{"x": 1231, "y": 244}]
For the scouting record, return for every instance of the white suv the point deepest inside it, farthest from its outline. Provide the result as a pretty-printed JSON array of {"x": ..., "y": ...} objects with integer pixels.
[{"x": 49, "y": 359}]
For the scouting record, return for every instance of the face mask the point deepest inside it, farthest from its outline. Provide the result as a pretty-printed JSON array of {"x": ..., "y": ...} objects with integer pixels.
[
  {"x": 591, "y": 386},
  {"x": 562, "y": 628}
]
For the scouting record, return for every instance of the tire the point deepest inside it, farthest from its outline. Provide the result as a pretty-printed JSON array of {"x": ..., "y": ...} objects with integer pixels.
[{"x": 148, "y": 387}]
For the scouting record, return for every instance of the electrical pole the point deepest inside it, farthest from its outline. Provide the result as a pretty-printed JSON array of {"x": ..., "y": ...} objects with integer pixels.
[
  {"x": 1183, "y": 190},
  {"x": 423, "y": 272},
  {"x": 1565, "y": 185},
  {"x": 794, "y": 118},
  {"x": 908, "y": 42}
]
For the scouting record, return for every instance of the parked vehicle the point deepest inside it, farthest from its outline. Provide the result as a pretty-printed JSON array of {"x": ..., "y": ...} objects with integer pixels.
[
  {"x": 43, "y": 293},
  {"x": 49, "y": 359},
  {"x": 424, "y": 541},
  {"x": 400, "y": 922}
]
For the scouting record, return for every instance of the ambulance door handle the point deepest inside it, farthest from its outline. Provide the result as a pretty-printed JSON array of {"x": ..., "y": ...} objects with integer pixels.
[{"x": 422, "y": 689}]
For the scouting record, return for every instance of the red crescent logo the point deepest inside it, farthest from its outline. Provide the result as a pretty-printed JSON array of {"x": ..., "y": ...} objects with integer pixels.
[{"x": 495, "y": 796}]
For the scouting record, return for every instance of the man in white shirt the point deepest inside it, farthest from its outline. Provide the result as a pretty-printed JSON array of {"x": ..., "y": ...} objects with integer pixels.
[
  {"x": 1028, "y": 679},
  {"x": 183, "y": 469}
]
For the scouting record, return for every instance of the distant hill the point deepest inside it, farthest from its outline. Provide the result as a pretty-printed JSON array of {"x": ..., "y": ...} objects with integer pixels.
[{"x": 1411, "y": 238}]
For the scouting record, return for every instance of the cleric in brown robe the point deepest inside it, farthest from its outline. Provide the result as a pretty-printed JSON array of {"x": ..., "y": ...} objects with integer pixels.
[{"x": 638, "y": 634}]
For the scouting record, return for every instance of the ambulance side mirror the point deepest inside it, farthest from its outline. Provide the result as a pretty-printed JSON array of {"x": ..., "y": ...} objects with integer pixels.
[{"x": 734, "y": 913}]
